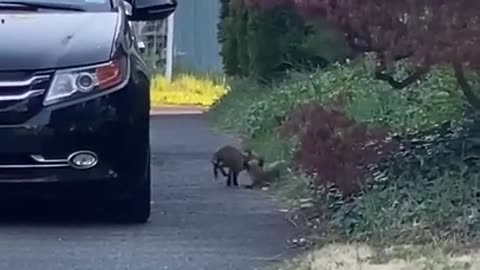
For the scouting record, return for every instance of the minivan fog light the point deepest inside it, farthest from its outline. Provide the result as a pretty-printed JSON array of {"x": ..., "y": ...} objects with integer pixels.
[{"x": 83, "y": 159}]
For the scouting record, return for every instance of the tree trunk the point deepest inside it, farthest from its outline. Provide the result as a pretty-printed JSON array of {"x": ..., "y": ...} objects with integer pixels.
[{"x": 465, "y": 86}]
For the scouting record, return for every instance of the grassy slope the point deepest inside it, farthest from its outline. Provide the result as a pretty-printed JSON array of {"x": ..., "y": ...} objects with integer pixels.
[{"x": 251, "y": 110}]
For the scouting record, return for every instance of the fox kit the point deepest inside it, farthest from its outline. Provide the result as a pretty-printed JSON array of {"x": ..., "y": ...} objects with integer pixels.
[
  {"x": 261, "y": 174},
  {"x": 231, "y": 158}
]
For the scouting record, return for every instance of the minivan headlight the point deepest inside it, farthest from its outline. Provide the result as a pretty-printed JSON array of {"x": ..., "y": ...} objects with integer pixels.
[{"x": 80, "y": 82}]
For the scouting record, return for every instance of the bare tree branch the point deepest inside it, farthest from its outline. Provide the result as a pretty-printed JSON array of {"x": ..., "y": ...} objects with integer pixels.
[
  {"x": 364, "y": 45},
  {"x": 419, "y": 72},
  {"x": 382, "y": 66},
  {"x": 473, "y": 99}
]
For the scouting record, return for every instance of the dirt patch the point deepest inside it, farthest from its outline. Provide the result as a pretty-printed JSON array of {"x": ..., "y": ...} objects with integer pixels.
[{"x": 361, "y": 256}]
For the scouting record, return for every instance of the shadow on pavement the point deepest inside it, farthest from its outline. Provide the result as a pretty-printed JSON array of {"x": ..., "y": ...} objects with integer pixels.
[{"x": 55, "y": 212}]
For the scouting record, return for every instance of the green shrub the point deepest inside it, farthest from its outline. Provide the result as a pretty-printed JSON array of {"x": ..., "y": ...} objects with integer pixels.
[
  {"x": 427, "y": 190},
  {"x": 432, "y": 186},
  {"x": 273, "y": 147},
  {"x": 252, "y": 109},
  {"x": 417, "y": 107},
  {"x": 265, "y": 43},
  {"x": 229, "y": 112},
  {"x": 365, "y": 99}
]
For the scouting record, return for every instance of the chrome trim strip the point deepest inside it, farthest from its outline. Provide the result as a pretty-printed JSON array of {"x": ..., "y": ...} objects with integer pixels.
[
  {"x": 30, "y": 180},
  {"x": 51, "y": 163},
  {"x": 29, "y": 94},
  {"x": 31, "y": 166},
  {"x": 41, "y": 159},
  {"x": 118, "y": 29},
  {"x": 23, "y": 83},
  {"x": 128, "y": 8},
  {"x": 44, "y": 163}
]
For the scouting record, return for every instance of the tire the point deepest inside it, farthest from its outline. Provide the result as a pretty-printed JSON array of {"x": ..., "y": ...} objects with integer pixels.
[{"x": 137, "y": 208}]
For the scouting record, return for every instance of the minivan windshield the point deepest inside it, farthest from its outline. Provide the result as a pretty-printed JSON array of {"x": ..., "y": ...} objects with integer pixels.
[{"x": 88, "y": 5}]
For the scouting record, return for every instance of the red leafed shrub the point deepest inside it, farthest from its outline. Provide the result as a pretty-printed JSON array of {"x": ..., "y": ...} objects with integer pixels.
[
  {"x": 334, "y": 148},
  {"x": 427, "y": 33},
  {"x": 295, "y": 120}
]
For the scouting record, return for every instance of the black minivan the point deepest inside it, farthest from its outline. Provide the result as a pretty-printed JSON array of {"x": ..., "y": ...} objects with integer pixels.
[{"x": 74, "y": 99}]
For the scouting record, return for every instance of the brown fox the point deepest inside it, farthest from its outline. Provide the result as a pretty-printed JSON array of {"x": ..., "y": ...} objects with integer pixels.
[{"x": 231, "y": 158}]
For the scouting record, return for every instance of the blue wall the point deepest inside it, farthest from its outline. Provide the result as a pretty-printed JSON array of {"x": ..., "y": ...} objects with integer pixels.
[{"x": 195, "y": 43}]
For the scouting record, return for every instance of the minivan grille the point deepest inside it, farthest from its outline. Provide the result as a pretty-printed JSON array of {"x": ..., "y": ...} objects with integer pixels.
[
  {"x": 21, "y": 95},
  {"x": 15, "y": 76}
]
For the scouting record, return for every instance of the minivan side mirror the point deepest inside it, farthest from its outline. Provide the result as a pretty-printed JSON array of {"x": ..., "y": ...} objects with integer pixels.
[{"x": 147, "y": 10}]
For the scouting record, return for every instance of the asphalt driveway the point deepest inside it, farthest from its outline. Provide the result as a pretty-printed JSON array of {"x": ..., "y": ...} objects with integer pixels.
[{"x": 196, "y": 223}]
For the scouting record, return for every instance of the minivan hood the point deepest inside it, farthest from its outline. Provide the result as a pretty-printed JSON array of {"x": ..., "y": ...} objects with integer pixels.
[{"x": 33, "y": 41}]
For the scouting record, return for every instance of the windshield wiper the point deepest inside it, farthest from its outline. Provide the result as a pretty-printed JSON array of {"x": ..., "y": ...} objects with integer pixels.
[{"x": 37, "y": 5}]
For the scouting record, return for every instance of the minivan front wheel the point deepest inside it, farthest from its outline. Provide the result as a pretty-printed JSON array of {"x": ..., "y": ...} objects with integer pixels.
[{"x": 136, "y": 209}]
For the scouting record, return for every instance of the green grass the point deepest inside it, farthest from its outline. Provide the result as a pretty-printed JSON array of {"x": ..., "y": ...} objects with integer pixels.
[
  {"x": 250, "y": 110},
  {"x": 441, "y": 209}
]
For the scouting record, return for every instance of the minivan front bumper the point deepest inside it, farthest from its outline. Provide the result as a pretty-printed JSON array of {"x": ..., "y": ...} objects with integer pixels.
[{"x": 113, "y": 126}]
